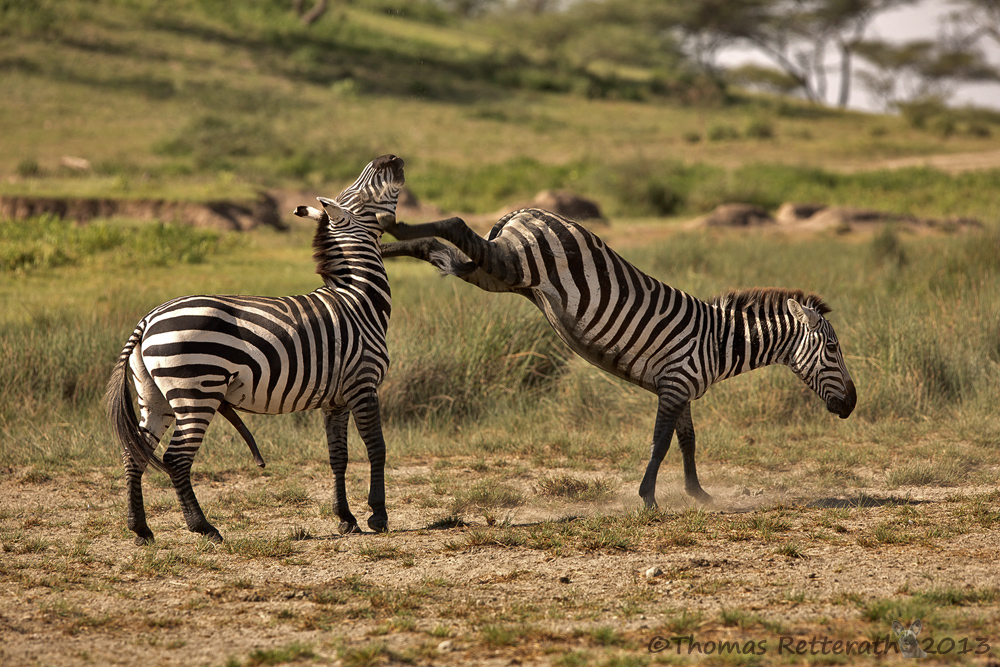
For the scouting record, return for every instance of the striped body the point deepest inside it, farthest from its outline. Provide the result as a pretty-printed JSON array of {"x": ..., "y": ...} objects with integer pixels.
[
  {"x": 266, "y": 355},
  {"x": 195, "y": 356},
  {"x": 636, "y": 327}
]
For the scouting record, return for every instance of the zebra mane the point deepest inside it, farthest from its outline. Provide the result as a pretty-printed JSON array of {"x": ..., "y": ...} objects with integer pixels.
[
  {"x": 330, "y": 249},
  {"x": 775, "y": 297}
]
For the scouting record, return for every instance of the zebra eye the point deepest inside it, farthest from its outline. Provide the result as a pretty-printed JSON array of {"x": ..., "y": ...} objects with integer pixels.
[{"x": 831, "y": 346}]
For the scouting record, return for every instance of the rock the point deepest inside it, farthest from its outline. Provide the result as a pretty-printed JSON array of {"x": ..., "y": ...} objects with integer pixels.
[
  {"x": 790, "y": 213},
  {"x": 444, "y": 646},
  {"x": 734, "y": 215},
  {"x": 653, "y": 572},
  {"x": 568, "y": 205},
  {"x": 562, "y": 202},
  {"x": 75, "y": 163},
  {"x": 219, "y": 214}
]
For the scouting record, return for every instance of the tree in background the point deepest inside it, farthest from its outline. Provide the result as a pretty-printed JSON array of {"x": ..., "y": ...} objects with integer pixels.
[
  {"x": 799, "y": 36},
  {"x": 981, "y": 16},
  {"x": 921, "y": 70}
]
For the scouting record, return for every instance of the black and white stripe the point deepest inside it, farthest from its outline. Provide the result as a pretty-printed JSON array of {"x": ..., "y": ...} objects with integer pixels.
[
  {"x": 198, "y": 355},
  {"x": 636, "y": 327}
]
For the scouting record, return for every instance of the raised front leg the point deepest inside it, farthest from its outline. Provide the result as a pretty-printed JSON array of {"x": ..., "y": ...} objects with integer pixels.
[
  {"x": 667, "y": 413},
  {"x": 484, "y": 254},
  {"x": 369, "y": 423},
  {"x": 335, "y": 422},
  {"x": 685, "y": 439}
]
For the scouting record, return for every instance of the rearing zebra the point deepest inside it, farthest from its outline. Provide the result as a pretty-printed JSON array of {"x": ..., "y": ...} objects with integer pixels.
[
  {"x": 197, "y": 355},
  {"x": 633, "y": 326}
]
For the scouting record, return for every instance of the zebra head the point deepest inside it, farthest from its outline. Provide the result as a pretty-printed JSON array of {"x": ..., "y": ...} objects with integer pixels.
[
  {"x": 818, "y": 360},
  {"x": 370, "y": 200}
]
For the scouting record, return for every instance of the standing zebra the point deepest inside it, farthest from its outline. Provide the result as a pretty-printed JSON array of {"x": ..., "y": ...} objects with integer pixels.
[
  {"x": 197, "y": 355},
  {"x": 635, "y": 327}
]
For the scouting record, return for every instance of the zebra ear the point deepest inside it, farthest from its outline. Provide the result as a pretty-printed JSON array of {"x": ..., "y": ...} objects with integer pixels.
[
  {"x": 804, "y": 314},
  {"x": 332, "y": 208},
  {"x": 312, "y": 213}
]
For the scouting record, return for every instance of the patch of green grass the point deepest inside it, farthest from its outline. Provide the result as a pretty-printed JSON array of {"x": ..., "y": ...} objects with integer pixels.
[
  {"x": 260, "y": 547},
  {"x": 758, "y": 524},
  {"x": 499, "y": 536},
  {"x": 487, "y": 495},
  {"x": 364, "y": 656},
  {"x": 606, "y": 636},
  {"x": 48, "y": 242},
  {"x": 573, "y": 488},
  {"x": 499, "y": 636},
  {"x": 374, "y": 552},
  {"x": 791, "y": 550},
  {"x": 739, "y": 618},
  {"x": 958, "y": 596}
]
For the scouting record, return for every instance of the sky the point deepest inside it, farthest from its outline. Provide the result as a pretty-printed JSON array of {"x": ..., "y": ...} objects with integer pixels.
[{"x": 916, "y": 22}]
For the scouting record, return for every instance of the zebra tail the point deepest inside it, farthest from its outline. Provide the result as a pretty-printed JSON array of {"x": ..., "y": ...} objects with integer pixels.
[{"x": 121, "y": 414}]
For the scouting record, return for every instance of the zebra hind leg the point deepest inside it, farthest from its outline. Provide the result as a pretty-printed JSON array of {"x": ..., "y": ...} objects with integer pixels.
[
  {"x": 155, "y": 418},
  {"x": 136, "y": 508},
  {"x": 192, "y": 422},
  {"x": 686, "y": 441},
  {"x": 335, "y": 422},
  {"x": 368, "y": 419}
]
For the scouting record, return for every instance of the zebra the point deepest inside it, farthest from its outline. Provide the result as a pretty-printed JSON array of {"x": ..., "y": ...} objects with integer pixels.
[
  {"x": 194, "y": 356},
  {"x": 636, "y": 327}
]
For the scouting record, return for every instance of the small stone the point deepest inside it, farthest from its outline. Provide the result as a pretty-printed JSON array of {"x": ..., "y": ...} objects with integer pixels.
[
  {"x": 653, "y": 572},
  {"x": 564, "y": 579},
  {"x": 444, "y": 646}
]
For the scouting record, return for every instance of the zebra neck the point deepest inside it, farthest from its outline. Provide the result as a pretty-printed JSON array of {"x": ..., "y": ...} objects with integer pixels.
[
  {"x": 752, "y": 339},
  {"x": 355, "y": 270}
]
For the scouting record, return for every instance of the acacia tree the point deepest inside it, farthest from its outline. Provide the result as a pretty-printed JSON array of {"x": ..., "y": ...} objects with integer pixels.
[
  {"x": 982, "y": 17},
  {"x": 921, "y": 69},
  {"x": 798, "y": 36}
]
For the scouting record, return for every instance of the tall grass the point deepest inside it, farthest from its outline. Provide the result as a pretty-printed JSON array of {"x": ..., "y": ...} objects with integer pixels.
[{"x": 473, "y": 372}]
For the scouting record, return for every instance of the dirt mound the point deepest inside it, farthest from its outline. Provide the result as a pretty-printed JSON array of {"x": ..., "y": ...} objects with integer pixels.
[
  {"x": 220, "y": 214},
  {"x": 734, "y": 215},
  {"x": 562, "y": 202},
  {"x": 811, "y": 217},
  {"x": 793, "y": 216}
]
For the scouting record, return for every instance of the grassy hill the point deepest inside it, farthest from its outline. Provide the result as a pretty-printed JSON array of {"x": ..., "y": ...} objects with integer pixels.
[{"x": 199, "y": 98}]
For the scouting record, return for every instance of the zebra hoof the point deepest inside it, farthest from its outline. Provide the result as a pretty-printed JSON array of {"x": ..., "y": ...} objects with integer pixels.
[
  {"x": 144, "y": 540},
  {"x": 700, "y": 496},
  {"x": 379, "y": 524},
  {"x": 348, "y": 527}
]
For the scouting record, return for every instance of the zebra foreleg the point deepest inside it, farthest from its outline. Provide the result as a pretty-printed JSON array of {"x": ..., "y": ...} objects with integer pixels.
[
  {"x": 685, "y": 439},
  {"x": 192, "y": 422},
  {"x": 448, "y": 260},
  {"x": 667, "y": 413},
  {"x": 335, "y": 422},
  {"x": 484, "y": 254},
  {"x": 368, "y": 419}
]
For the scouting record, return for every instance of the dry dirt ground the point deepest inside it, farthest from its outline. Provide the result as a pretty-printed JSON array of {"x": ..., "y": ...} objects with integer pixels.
[{"x": 523, "y": 573}]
